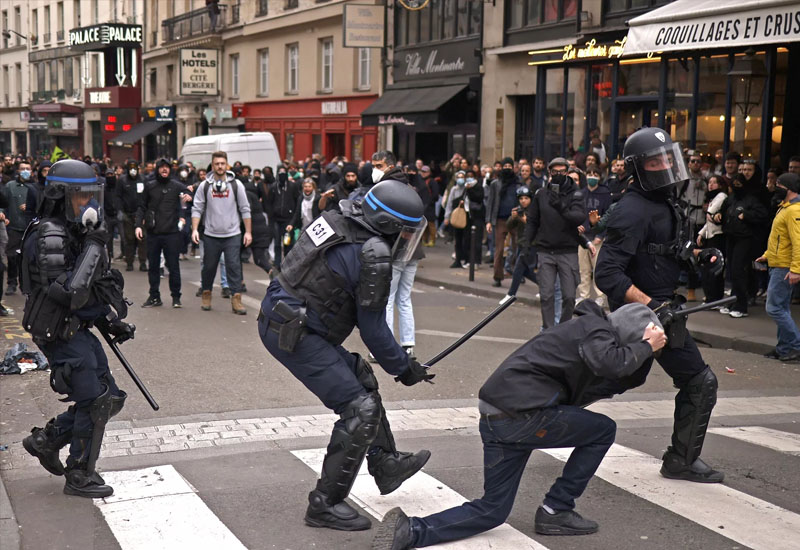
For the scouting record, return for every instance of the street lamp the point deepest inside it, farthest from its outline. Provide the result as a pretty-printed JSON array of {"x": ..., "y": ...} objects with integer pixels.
[
  {"x": 752, "y": 73},
  {"x": 7, "y": 34}
]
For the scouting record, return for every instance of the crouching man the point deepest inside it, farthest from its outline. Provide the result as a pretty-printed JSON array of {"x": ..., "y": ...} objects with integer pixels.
[{"x": 535, "y": 400}]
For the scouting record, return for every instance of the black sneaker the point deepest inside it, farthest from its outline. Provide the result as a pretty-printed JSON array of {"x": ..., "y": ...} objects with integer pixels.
[
  {"x": 143, "y": 267},
  {"x": 244, "y": 288},
  {"x": 176, "y": 303},
  {"x": 792, "y": 356},
  {"x": 3, "y": 311},
  {"x": 497, "y": 283},
  {"x": 226, "y": 292},
  {"x": 772, "y": 354},
  {"x": 673, "y": 467},
  {"x": 568, "y": 522},
  {"x": 390, "y": 470},
  {"x": 394, "y": 532},
  {"x": 153, "y": 302},
  {"x": 11, "y": 289},
  {"x": 129, "y": 267}
]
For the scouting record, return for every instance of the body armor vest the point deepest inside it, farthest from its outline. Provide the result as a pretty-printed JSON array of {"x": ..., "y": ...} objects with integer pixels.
[{"x": 306, "y": 275}]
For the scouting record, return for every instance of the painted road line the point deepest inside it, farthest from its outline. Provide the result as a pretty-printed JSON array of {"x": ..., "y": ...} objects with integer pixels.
[
  {"x": 421, "y": 495},
  {"x": 733, "y": 514},
  {"x": 157, "y": 509},
  {"x": 784, "y": 442},
  {"x": 727, "y": 406}
]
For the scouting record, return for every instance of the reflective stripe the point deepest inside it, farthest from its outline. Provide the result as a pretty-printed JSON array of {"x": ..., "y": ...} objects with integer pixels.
[
  {"x": 71, "y": 180},
  {"x": 370, "y": 198}
]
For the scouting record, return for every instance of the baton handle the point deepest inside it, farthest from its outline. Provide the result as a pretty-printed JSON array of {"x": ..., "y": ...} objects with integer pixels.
[
  {"x": 139, "y": 384},
  {"x": 470, "y": 333}
]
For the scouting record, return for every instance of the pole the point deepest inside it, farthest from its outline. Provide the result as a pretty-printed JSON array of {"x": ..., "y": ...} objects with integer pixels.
[
  {"x": 472, "y": 231},
  {"x": 139, "y": 384},
  {"x": 471, "y": 332}
]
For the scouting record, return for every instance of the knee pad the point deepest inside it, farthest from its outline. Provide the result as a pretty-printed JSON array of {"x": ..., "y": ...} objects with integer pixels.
[
  {"x": 702, "y": 388},
  {"x": 360, "y": 419},
  {"x": 100, "y": 408},
  {"x": 117, "y": 402}
]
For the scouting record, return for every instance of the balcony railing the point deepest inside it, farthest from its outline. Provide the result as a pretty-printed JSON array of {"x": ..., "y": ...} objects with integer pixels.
[
  {"x": 46, "y": 38},
  {"x": 60, "y": 36},
  {"x": 197, "y": 22}
]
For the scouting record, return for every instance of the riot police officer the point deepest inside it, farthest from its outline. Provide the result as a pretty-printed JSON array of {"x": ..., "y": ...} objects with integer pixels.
[
  {"x": 641, "y": 261},
  {"x": 69, "y": 289},
  {"x": 335, "y": 278}
]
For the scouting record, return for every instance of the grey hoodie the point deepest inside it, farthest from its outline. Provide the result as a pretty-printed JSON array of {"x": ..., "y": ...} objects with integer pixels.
[{"x": 222, "y": 219}]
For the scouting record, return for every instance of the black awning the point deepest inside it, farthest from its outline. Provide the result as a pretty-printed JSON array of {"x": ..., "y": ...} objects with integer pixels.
[
  {"x": 409, "y": 106},
  {"x": 136, "y": 133}
]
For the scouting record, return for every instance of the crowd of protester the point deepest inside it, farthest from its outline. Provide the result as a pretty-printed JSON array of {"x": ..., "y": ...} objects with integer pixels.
[{"x": 485, "y": 212}]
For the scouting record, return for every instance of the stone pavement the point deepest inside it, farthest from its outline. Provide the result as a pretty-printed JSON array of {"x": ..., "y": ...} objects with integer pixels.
[{"x": 753, "y": 334}]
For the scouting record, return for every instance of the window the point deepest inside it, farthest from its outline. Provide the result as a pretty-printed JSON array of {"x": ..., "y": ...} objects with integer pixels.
[
  {"x": 235, "y": 75},
  {"x": 54, "y": 75},
  {"x": 76, "y": 13},
  {"x": 153, "y": 84},
  {"x": 292, "y": 62},
  {"x": 170, "y": 80},
  {"x": 95, "y": 11},
  {"x": 263, "y": 72},
  {"x": 40, "y": 83},
  {"x": 46, "y": 24},
  {"x": 326, "y": 64},
  {"x": 68, "y": 86},
  {"x": 5, "y": 85},
  {"x": 18, "y": 81},
  {"x": 290, "y": 4},
  {"x": 18, "y": 24},
  {"x": 5, "y": 27},
  {"x": 261, "y": 8},
  {"x": 60, "y": 21},
  {"x": 34, "y": 22},
  {"x": 364, "y": 68}
]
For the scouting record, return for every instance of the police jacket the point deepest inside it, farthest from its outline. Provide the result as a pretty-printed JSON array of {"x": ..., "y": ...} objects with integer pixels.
[
  {"x": 553, "y": 220},
  {"x": 639, "y": 232},
  {"x": 129, "y": 192},
  {"x": 755, "y": 214},
  {"x": 569, "y": 364},
  {"x": 327, "y": 270},
  {"x": 161, "y": 203}
]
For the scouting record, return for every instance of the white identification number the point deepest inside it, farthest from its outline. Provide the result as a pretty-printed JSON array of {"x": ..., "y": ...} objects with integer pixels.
[{"x": 320, "y": 231}]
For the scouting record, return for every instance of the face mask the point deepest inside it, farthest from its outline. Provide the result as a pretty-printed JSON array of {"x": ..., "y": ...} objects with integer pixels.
[
  {"x": 592, "y": 182},
  {"x": 25, "y": 175},
  {"x": 471, "y": 182},
  {"x": 282, "y": 177},
  {"x": 558, "y": 179},
  {"x": 376, "y": 175},
  {"x": 460, "y": 181},
  {"x": 507, "y": 172},
  {"x": 111, "y": 180},
  {"x": 132, "y": 172},
  {"x": 780, "y": 193},
  {"x": 184, "y": 174}
]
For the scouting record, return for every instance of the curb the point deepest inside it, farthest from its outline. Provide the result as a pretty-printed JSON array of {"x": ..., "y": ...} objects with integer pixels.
[
  {"x": 712, "y": 339},
  {"x": 9, "y": 528}
]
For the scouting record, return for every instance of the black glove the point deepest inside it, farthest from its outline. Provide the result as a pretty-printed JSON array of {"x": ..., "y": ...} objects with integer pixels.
[
  {"x": 415, "y": 373},
  {"x": 704, "y": 260},
  {"x": 98, "y": 235},
  {"x": 117, "y": 328},
  {"x": 554, "y": 199},
  {"x": 665, "y": 311}
]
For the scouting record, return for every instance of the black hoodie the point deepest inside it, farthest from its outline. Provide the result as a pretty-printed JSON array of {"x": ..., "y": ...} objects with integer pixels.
[{"x": 553, "y": 220}]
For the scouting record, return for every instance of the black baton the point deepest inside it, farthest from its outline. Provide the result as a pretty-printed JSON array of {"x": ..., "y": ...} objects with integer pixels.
[
  {"x": 470, "y": 333},
  {"x": 139, "y": 384},
  {"x": 709, "y": 305}
]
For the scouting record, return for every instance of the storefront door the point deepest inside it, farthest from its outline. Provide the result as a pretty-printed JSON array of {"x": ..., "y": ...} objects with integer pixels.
[
  {"x": 633, "y": 115},
  {"x": 335, "y": 145}
]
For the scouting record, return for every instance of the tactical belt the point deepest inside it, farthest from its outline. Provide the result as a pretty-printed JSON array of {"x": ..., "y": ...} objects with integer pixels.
[{"x": 661, "y": 249}]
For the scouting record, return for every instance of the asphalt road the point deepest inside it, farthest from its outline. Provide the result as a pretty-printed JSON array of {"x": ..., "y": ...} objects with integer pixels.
[{"x": 206, "y": 367}]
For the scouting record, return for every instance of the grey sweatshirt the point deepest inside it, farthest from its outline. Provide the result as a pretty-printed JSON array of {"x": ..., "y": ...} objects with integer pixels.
[{"x": 222, "y": 220}]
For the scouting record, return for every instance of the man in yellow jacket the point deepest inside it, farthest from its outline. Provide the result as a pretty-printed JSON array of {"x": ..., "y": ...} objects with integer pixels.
[{"x": 783, "y": 258}]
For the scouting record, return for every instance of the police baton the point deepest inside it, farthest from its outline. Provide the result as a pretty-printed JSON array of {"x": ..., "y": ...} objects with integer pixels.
[
  {"x": 112, "y": 343},
  {"x": 488, "y": 319},
  {"x": 703, "y": 307}
]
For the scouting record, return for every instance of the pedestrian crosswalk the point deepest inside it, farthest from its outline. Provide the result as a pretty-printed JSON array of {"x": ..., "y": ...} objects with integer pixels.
[{"x": 156, "y": 507}]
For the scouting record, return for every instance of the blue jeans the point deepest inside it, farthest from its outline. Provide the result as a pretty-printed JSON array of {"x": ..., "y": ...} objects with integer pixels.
[
  {"x": 213, "y": 248},
  {"x": 507, "y": 445},
  {"x": 779, "y": 299},
  {"x": 403, "y": 274},
  {"x": 223, "y": 273}
]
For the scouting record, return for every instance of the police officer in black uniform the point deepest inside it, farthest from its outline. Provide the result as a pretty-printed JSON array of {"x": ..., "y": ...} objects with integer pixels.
[
  {"x": 70, "y": 288},
  {"x": 641, "y": 261},
  {"x": 335, "y": 278}
]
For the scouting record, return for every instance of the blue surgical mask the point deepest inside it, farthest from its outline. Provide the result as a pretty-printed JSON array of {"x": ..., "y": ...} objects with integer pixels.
[
  {"x": 25, "y": 175},
  {"x": 460, "y": 181},
  {"x": 592, "y": 181}
]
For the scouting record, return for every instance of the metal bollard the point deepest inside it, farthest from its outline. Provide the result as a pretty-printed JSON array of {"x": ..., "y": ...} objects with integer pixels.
[{"x": 472, "y": 231}]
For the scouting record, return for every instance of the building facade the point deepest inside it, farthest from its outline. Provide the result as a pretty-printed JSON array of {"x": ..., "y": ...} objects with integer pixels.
[{"x": 14, "y": 77}]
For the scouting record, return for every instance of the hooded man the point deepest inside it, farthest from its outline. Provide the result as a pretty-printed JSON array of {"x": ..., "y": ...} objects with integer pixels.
[
  {"x": 17, "y": 193},
  {"x": 329, "y": 200},
  {"x": 501, "y": 201},
  {"x": 129, "y": 192}
]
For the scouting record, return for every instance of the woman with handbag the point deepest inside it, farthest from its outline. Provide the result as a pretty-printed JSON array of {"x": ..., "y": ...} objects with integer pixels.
[{"x": 455, "y": 216}]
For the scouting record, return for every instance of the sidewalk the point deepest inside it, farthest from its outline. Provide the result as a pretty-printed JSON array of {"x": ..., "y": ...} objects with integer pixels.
[{"x": 753, "y": 334}]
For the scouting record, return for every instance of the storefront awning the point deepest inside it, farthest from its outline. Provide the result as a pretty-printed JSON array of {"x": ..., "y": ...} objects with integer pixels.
[
  {"x": 143, "y": 129},
  {"x": 704, "y": 24},
  {"x": 409, "y": 106}
]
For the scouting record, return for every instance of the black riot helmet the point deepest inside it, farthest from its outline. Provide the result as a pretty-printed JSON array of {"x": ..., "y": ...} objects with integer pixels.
[
  {"x": 653, "y": 159},
  {"x": 395, "y": 210},
  {"x": 76, "y": 184}
]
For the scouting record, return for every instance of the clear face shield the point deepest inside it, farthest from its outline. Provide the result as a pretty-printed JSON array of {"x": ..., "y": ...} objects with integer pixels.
[
  {"x": 83, "y": 204},
  {"x": 661, "y": 167},
  {"x": 407, "y": 240}
]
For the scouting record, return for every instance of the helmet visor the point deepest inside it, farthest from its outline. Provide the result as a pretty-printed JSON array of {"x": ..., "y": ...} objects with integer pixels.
[
  {"x": 660, "y": 167},
  {"x": 83, "y": 204},
  {"x": 407, "y": 240}
]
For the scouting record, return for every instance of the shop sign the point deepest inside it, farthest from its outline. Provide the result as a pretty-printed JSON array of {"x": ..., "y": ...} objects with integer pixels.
[
  {"x": 24, "y": 116},
  {"x": 453, "y": 59},
  {"x": 199, "y": 72},
  {"x": 593, "y": 50},
  {"x": 164, "y": 113},
  {"x": 69, "y": 123},
  {"x": 383, "y": 120},
  {"x": 334, "y": 107},
  {"x": 100, "y": 97},
  {"x": 363, "y": 26},
  {"x": 413, "y": 5},
  {"x": 99, "y": 37}
]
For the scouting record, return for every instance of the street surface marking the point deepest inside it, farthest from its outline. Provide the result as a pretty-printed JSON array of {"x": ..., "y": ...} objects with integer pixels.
[
  {"x": 738, "y": 516},
  {"x": 456, "y": 335},
  {"x": 156, "y": 508},
  {"x": 784, "y": 442},
  {"x": 421, "y": 495}
]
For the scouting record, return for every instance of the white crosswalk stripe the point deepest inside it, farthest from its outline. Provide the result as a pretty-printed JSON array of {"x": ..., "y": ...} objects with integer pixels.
[
  {"x": 419, "y": 496},
  {"x": 717, "y": 507},
  {"x": 776, "y": 440},
  {"x": 156, "y": 508}
]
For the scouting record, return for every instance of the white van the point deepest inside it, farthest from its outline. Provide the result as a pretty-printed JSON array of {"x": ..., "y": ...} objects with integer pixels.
[{"x": 256, "y": 149}]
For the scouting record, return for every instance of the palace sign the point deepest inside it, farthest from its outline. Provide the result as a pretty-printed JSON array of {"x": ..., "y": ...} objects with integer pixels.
[{"x": 107, "y": 35}]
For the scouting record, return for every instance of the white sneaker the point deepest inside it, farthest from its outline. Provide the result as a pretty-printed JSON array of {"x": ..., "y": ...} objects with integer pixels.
[
  {"x": 725, "y": 310},
  {"x": 505, "y": 299},
  {"x": 738, "y": 314}
]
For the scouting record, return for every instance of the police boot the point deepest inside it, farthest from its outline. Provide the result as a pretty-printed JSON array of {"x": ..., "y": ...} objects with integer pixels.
[
  {"x": 236, "y": 304},
  {"x": 44, "y": 444},
  {"x": 390, "y": 470},
  {"x": 322, "y": 513},
  {"x": 675, "y": 467},
  {"x": 81, "y": 483}
]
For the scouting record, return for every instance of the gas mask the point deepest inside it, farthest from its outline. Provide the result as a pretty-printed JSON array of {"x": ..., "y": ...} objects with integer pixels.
[{"x": 133, "y": 172}]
